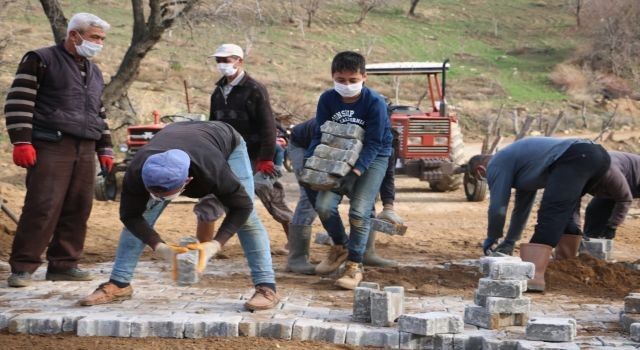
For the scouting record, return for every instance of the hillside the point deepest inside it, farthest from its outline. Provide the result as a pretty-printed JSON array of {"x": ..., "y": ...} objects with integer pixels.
[{"x": 501, "y": 51}]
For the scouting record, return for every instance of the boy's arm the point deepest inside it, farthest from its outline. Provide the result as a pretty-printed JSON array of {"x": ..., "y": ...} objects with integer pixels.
[
  {"x": 322, "y": 115},
  {"x": 373, "y": 135},
  {"x": 500, "y": 191}
]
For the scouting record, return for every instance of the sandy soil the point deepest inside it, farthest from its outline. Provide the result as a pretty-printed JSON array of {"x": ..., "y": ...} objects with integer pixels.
[{"x": 443, "y": 227}]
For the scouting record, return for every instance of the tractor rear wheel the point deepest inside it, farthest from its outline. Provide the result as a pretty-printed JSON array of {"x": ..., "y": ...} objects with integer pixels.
[
  {"x": 474, "y": 189},
  {"x": 454, "y": 181}
]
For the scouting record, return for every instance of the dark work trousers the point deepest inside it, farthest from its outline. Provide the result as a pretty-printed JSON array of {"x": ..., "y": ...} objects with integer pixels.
[
  {"x": 597, "y": 215},
  {"x": 570, "y": 176},
  {"x": 57, "y": 205},
  {"x": 388, "y": 186}
]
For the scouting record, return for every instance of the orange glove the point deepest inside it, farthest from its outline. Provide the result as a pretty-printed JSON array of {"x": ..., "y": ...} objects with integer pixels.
[
  {"x": 106, "y": 163},
  {"x": 24, "y": 155}
]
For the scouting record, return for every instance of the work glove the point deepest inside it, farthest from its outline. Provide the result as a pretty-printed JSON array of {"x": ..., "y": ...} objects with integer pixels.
[
  {"x": 106, "y": 163},
  {"x": 487, "y": 245},
  {"x": 24, "y": 155},
  {"x": 266, "y": 167},
  {"x": 206, "y": 251},
  {"x": 387, "y": 214},
  {"x": 609, "y": 232},
  {"x": 346, "y": 183},
  {"x": 168, "y": 252}
]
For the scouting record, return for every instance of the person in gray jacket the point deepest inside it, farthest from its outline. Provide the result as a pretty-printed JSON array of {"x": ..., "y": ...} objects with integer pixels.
[
  {"x": 612, "y": 196},
  {"x": 566, "y": 169}
]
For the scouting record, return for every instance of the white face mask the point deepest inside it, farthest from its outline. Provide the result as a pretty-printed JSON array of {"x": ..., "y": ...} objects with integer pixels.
[
  {"x": 350, "y": 90},
  {"x": 227, "y": 69},
  {"x": 88, "y": 49},
  {"x": 167, "y": 198}
]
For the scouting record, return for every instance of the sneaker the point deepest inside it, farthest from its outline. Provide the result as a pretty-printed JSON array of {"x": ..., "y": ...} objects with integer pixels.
[
  {"x": 19, "y": 279},
  {"x": 351, "y": 277},
  {"x": 72, "y": 274},
  {"x": 263, "y": 299},
  {"x": 107, "y": 293},
  {"x": 337, "y": 255},
  {"x": 505, "y": 247}
]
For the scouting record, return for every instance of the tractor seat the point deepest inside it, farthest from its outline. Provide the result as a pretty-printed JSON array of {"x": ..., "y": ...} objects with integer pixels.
[{"x": 405, "y": 109}]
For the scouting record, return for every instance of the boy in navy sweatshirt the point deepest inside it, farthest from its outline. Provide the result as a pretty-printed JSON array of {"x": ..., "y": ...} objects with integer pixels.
[{"x": 349, "y": 102}]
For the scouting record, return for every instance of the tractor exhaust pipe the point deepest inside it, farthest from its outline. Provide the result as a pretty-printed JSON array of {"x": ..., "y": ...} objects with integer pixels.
[{"x": 443, "y": 103}]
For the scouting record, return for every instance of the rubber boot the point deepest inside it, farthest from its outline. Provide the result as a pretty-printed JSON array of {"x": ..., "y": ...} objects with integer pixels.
[
  {"x": 370, "y": 257},
  {"x": 299, "y": 240},
  {"x": 539, "y": 255},
  {"x": 567, "y": 247}
]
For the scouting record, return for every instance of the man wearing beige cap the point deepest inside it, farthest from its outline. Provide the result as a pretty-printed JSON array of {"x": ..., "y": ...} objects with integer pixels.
[{"x": 242, "y": 102}]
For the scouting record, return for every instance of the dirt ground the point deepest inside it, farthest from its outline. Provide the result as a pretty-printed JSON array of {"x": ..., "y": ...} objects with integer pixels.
[{"x": 443, "y": 227}]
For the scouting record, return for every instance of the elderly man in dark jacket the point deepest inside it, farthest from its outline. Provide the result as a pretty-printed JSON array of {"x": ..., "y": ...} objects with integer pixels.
[
  {"x": 613, "y": 195},
  {"x": 56, "y": 123},
  {"x": 242, "y": 102}
]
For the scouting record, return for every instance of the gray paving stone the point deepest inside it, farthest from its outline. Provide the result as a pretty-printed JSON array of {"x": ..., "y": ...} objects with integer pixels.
[
  {"x": 450, "y": 342},
  {"x": 534, "y": 345},
  {"x": 551, "y": 329},
  {"x": 372, "y": 336},
  {"x": 508, "y": 305},
  {"x": 632, "y": 303},
  {"x": 486, "y": 262},
  {"x": 341, "y": 143},
  {"x": 430, "y": 323},
  {"x": 386, "y": 307},
  {"x": 497, "y": 344},
  {"x": 634, "y": 330},
  {"x": 480, "y": 300},
  {"x": 328, "y": 166},
  {"x": 186, "y": 266},
  {"x": 318, "y": 330},
  {"x": 370, "y": 285},
  {"x": 350, "y": 131},
  {"x": 362, "y": 304},
  {"x": 36, "y": 323},
  {"x": 336, "y": 154},
  {"x": 204, "y": 326},
  {"x": 165, "y": 326},
  {"x": 317, "y": 180},
  {"x": 5, "y": 316},
  {"x": 511, "y": 270},
  {"x": 479, "y": 316},
  {"x": 501, "y": 288},
  {"x": 388, "y": 228},
  {"x": 598, "y": 248},
  {"x": 627, "y": 318},
  {"x": 105, "y": 325},
  {"x": 410, "y": 341},
  {"x": 273, "y": 328}
]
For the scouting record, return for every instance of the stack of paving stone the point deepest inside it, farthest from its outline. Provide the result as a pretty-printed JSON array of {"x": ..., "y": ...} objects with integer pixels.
[
  {"x": 435, "y": 330},
  {"x": 379, "y": 307},
  {"x": 498, "y": 299},
  {"x": 334, "y": 157},
  {"x": 630, "y": 316},
  {"x": 599, "y": 248}
]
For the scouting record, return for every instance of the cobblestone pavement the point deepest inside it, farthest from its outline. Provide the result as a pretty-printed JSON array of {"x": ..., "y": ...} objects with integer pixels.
[{"x": 161, "y": 308}]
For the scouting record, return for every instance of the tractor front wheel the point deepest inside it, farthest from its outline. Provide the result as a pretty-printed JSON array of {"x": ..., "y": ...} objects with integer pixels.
[
  {"x": 106, "y": 187},
  {"x": 474, "y": 189}
]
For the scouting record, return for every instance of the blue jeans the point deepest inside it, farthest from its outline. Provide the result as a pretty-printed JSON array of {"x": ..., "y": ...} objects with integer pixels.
[
  {"x": 305, "y": 213},
  {"x": 253, "y": 237},
  {"x": 362, "y": 200},
  {"x": 278, "y": 156}
]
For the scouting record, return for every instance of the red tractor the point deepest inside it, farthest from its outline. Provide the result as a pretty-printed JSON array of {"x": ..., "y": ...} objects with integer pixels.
[
  {"x": 430, "y": 142},
  {"x": 108, "y": 184}
]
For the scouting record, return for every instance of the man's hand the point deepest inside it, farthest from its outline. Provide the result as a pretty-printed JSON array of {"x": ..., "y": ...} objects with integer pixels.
[
  {"x": 206, "y": 251},
  {"x": 487, "y": 245},
  {"x": 168, "y": 252},
  {"x": 346, "y": 183},
  {"x": 266, "y": 167},
  {"x": 106, "y": 163},
  {"x": 387, "y": 214},
  {"x": 24, "y": 155}
]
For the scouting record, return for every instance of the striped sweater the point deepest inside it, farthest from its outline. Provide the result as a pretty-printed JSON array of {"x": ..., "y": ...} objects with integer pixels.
[{"x": 21, "y": 99}]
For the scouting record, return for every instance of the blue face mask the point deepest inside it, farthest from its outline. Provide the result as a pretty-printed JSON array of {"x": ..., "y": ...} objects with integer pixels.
[{"x": 88, "y": 49}]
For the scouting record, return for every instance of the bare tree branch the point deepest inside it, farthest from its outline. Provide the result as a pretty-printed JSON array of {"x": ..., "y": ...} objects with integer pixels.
[
  {"x": 606, "y": 125},
  {"x": 412, "y": 8},
  {"x": 57, "y": 20}
]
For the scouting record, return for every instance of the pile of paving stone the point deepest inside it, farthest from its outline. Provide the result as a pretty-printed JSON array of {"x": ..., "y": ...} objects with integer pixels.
[
  {"x": 498, "y": 300},
  {"x": 339, "y": 150},
  {"x": 630, "y": 316},
  {"x": 599, "y": 248}
]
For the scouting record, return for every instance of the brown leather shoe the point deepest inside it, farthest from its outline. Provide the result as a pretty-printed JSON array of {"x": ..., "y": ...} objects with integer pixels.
[
  {"x": 263, "y": 299},
  {"x": 107, "y": 293}
]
